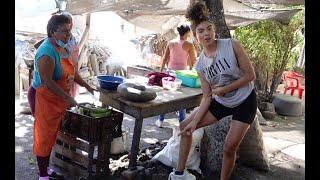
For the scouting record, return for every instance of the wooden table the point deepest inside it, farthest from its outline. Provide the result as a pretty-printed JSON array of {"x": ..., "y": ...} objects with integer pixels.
[{"x": 166, "y": 101}]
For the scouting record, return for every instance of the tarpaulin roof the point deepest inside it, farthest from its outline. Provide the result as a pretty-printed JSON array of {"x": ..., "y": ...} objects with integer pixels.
[
  {"x": 281, "y": 2},
  {"x": 161, "y": 15}
]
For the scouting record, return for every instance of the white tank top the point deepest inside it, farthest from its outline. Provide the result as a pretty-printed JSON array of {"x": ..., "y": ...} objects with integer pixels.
[{"x": 223, "y": 70}]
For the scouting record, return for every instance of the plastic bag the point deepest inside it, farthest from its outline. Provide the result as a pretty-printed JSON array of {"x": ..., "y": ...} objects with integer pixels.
[
  {"x": 169, "y": 155},
  {"x": 120, "y": 144}
]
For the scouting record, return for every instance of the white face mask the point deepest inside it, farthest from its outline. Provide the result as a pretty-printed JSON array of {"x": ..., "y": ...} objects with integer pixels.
[{"x": 61, "y": 44}]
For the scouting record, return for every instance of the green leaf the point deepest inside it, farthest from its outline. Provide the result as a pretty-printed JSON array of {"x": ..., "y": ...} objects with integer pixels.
[
  {"x": 31, "y": 160},
  {"x": 272, "y": 47}
]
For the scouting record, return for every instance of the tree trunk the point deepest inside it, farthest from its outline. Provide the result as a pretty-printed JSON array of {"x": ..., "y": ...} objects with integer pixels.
[
  {"x": 275, "y": 83},
  {"x": 217, "y": 14},
  {"x": 252, "y": 151}
]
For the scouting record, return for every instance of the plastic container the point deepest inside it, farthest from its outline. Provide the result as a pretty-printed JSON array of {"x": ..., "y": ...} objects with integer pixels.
[
  {"x": 171, "y": 85},
  {"x": 189, "y": 78},
  {"x": 109, "y": 82}
]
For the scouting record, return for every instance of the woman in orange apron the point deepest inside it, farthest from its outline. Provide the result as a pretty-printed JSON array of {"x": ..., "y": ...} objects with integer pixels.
[{"x": 53, "y": 77}]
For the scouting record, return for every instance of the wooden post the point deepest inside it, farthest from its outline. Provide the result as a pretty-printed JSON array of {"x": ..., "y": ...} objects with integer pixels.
[
  {"x": 84, "y": 39},
  {"x": 135, "y": 142}
]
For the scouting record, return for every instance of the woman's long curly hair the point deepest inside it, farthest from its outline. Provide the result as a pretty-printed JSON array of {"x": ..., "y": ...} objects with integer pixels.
[{"x": 197, "y": 13}]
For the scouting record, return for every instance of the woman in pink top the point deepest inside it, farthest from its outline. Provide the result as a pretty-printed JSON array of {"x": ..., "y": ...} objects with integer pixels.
[{"x": 179, "y": 54}]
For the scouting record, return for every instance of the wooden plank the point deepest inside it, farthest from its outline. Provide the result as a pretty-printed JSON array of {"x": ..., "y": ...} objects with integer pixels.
[
  {"x": 174, "y": 106},
  {"x": 162, "y": 104},
  {"x": 90, "y": 156},
  {"x": 164, "y": 97},
  {"x": 85, "y": 35},
  {"x": 73, "y": 169},
  {"x": 73, "y": 141},
  {"x": 79, "y": 126},
  {"x": 72, "y": 155}
]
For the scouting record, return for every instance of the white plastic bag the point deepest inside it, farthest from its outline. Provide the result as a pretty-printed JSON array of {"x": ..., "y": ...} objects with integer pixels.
[
  {"x": 120, "y": 144},
  {"x": 169, "y": 155}
]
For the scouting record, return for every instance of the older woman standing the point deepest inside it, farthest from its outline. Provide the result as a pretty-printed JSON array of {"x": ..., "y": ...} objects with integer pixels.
[
  {"x": 54, "y": 75},
  {"x": 73, "y": 48},
  {"x": 226, "y": 76}
]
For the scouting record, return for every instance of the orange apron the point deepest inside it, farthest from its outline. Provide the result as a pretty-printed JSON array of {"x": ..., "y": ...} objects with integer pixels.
[
  {"x": 49, "y": 109},
  {"x": 74, "y": 57}
]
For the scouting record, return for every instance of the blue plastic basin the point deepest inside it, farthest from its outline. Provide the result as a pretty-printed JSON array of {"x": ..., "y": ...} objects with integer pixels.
[{"x": 109, "y": 82}]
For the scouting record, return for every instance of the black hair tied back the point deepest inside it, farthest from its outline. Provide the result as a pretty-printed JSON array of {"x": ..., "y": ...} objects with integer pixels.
[
  {"x": 183, "y": 29},
  {"x": 197, "y": 13}
]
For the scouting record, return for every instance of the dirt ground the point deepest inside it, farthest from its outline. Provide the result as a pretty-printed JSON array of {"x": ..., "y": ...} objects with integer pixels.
[{"x": 284, "y": 138}]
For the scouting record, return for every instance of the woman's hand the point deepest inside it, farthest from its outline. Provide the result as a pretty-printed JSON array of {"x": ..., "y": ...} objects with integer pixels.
[
  {"x": 90, "y": 89},
  {"x": 189, "y": 129},
  {"x": 71, "y": 102},
  {"x": 219, "y": 90},
  {"x": 78, "y": 79}
]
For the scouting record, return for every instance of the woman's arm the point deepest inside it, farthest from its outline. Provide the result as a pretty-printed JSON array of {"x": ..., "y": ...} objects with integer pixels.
[
  {"x": 78, "y": 79},
  {"x": 203, "y": 108},
  {"x": 46, "y": 67},
  {"x": 205, "y": 101},
  {"x": 165, "y": 58},
  {"x": 245, "y": 66},
  {"x": 192, "y": 55}
]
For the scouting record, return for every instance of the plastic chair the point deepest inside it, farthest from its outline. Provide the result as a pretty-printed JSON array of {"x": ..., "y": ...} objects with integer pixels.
[{"x": 292, "y": 81}]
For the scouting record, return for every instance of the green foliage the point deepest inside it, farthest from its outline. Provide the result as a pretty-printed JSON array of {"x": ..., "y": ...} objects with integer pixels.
[
  {"x": 271, "y": 47},
  {"x": 31, "y": 160}
]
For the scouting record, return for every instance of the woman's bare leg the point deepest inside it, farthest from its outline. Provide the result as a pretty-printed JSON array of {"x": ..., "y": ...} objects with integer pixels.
[
  {"x": 234, "y": 138},
  {"x": 186, "y": 140}
]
